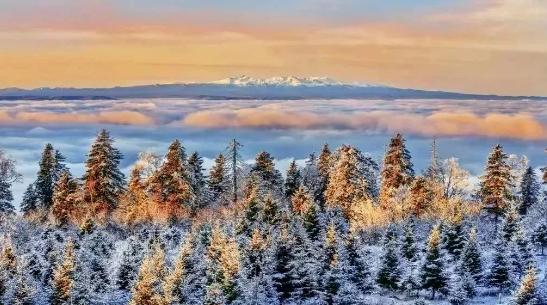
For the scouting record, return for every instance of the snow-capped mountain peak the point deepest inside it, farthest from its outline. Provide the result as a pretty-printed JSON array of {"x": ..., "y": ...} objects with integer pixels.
[{"x": 285, "y": 81}]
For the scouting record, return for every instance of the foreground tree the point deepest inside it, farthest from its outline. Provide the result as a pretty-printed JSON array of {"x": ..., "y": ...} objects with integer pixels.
[
  {"x": 293, "y": 180},
  {"x": 147, "y": 289},
  {"x": 8, "y": 175},
  {"x": 64, "y": 201},
  {"x": 397, "y": 169},
  {"x": 103, "y": 180},
  {"x": 50, "y": 169},
  {"x": 529, "y": 191},
  {"x": 433, "y": 276},
  {"x": 63, "y": 278},
  {"x": 527, "y": 294},
  {"x": 219, "y": 180}
]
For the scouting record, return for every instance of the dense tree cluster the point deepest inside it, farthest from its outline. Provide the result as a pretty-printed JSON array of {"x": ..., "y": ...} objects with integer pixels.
[{"x": 339, "y": 230}]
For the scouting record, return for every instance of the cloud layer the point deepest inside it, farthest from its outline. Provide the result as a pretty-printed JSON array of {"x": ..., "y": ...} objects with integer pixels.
[{"x": 107, "y": 117}]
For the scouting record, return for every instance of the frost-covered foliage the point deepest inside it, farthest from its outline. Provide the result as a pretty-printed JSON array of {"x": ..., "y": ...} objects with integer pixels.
[{"x": 327, "y": 233}]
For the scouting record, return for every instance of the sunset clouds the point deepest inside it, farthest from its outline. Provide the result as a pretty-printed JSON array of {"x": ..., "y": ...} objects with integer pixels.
[
  {"x": 492, "y": 46},
  {"x": 108, "y": 117}
]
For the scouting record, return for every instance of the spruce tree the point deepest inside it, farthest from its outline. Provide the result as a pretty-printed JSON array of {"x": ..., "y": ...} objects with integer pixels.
[
  {"x": 50, "y": 168},
  {"x": 270, "y": 213},
  {"x": 300, "y": 201},
  {"x": 63, "y": 278},
  {"x": 453, "y": 237},
  {"x": 130, "y": 262},
  {"x": 8, "y": 175},
  {"x": 174, "y": 281},
  {"x": 147, "y": 289},
  {"x": 222, "y": 268},
  {"x": 311, "y": 221},
  {"x": 495, "y": 187},
  {"x": 282, "y": 276},
  {"x": 324, "y": 165},
  {"x": 421, "y": 196},
  {"x": 64, "y": 201},
  {"x": 527, "y": 294},
  {"x": 293, "y": 179},
  {"x": 358, "y": 261},
  {"x": 103, "y": 180},
  {"x": 500, "y": 272},
  {"x": 522, "y": 254},
  {"x": 134, "y": 205},
  {"x": 471, "y": 260},
  {"x": 511, "y": 224},
  {"x": 540, "y": 236},
  {"x": 218, "y": 180},
  {"x": 198, "y": 182},
  {"x": 23, "y": 292},
  {"x": 264, "y": 170},
  {"x": 433, "y": 276},
  {"x": 397, "y": 168},
  {"x": 30, "y": 201},
  {"x": 529, "y": 191},
  {"x": 389, "y": 274},
  {"x": 170, "y": 187}
]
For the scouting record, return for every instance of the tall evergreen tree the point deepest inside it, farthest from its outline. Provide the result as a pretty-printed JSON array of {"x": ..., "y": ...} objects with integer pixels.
[
  {"x": 130, "y": 262},
  {"x": 174, "y": 281},
  {"x": 421, "y": 196},
  {"x": 64, "y": 201},
  {"x": 471, "y": 260},
  {"x": 293, "y": 179},
  {"x": 234, "y": 162},
  {"x": 63, "y": 278},
  {"x": 529, "y": 191},
  {"x": 540, "y": 236},
  {"x": 300, "y": 201},
  {"x": 397, "y": 168},
  {"x": 198, "y": 182},
  {"x": 170, "y": 186},
  {"x": 500, "y": 271},
  {"x": 222, "y": 268},
  {"x": 8, "y": 175},
  {"x": 50, "y": 168},
  {"x": 219, "y": 180},
  {"x": 433, "y": 276},
  {"x": 389, "y": 274},
  {"x": 323, "y": 167},
  {"x": 453, "y": 236},
  {"x": 266, "y": 173},
  {"x": 30, "y": 200},
  {"x": 527, "y": 293},
  {"x": 103, "y": 180},
  {"x": 147, "y": 289},
  {"x": 495, "y": 187}
]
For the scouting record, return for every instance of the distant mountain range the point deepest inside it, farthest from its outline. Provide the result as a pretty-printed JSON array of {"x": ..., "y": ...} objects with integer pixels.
[{"x": 245, "y": 87}]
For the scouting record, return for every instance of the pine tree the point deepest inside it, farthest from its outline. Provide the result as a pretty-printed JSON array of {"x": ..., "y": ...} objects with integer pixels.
[
  {"x": 234, "y": 162},
  {"x": 63, "y": 278},
  {"x": 300, "y": 201},
  {"x": 282, "y": 276},
  {"x": 522, "y": 254},
  {"x": 293, "y": 180},
  {"x": 389, "y": 274},
  {"x": 50, "y": 168},
  {"x": 219, "y": 180},
  {"x": 359, "y": 268},
  {"x": 198, "y": 182},
  {"x": 266, "y": 173},
  {"x": 170, "y": 188},
  {"x": 324, "y": 164},
  {"x": 346, "y": 182},
  {"x": 64, "y": 201},
  {"x": 8, "y": 175},
  {"x": 222, "y": 268},
  {"x": 103, "y": 180},
  {"x": 495, "y": 190},
  {"x": 540, "y": 236},
  {"x": 147, "y": 289},
  {"x": 433, "y": 276},
  {"x": 529, "y": 191},
  {"x": 408, "y": 246},
  {"x": 397, "y": 168},
  {"x": 421, "y": 196},
  {"x": 311, "y": 221},
  {"x": 527, "y": 294},
  {"x": 129, "y": 266},
  {"x": 471, "y": 260},
  {"x": 250, "y": 217},
  {"x": 23, "y": 292},
  {"x": 173, "y": 284},
  {"x": 30, "y": 200},
  {"x": 453, "y": 236},
  {"x": 134, "y": 205},
  {"x": 499, "y": 275},
  {"x": 511, "y": 224}
]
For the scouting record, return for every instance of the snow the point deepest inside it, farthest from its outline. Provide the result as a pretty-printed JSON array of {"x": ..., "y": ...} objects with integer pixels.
[{"x": 285, "y": 81}]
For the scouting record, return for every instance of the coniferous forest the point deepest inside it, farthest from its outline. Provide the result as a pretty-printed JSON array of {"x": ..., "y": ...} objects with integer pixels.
[{"x": 343, "y": 229}]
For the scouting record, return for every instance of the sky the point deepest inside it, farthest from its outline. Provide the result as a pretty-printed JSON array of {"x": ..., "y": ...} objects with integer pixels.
[
  {"x": 465, "y": 129},
  {"x": 479, "y": 46}
]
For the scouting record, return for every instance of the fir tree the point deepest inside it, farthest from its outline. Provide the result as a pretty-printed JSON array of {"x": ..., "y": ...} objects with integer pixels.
[
  {"x": 433, "y": 276},
  {"x": 129, "y": 266},
  {"x": 198, "y": 182},
  {"x": 529, "y": 191},
  {"x": 311, "y": 221},
  {"x": 495, "y": 190},
  {"x": 134, "y": 206},
  {"x": 147, "y": 289},
  {"x": 527, "y": 294},
  {"x": 270, "y": 213},
  {"x": 300, "y": 201},
  {"x": 389, "y": 274},
  {"x": 522, "y": 253},
  {"x": 173, "y": 284},
  {"x": 510, "y": 225},
  {"x": 397, "y": 168},
  {"x": 103, "y": 180},
  {"x": 64, "y": 202},
  {"x": 8, "y": 175},
  {"x": 50, "y": 167},
  {"x": 421, "y": 196},
  {"x": 234, "y": 162},
  {"x": 248, "y": 220},
  {"x": 499, "y": 275},
  {"x": 293, "y": 180},
  {"x": 30, "y": 200},
  {"x": 540, "y": 236},
  {"x": 23, "y": 292},
  {"x": 219, "y": 180},
  {"x": 453, "y": 236},
  {"x": 359, "y": 268},
  {"x": 282, "y": 276},
  {"x": 222, "y": 268},
  {"x": 63, "y": 278},
  {"x": 324, "y": 164},
  {"x": 266, "y": 173},
  {"x": 408, "y": 246},
  {"x": 170, "y": 188},
  {"x": 471, "y": 261}
]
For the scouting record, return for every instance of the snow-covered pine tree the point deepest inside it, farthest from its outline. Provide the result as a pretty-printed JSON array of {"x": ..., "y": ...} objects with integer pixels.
[
  {"x": 397, "y": 169},
  {"x": 300, "y": 201},
  {"x": 457, "y": 293},
  {"x": 433, "y": 273},
  {"x": 250, "y": 216},
  {"x": 270, "y": 213},
  {"x": 223, "y": 259},
  {"x": 540, "y": 237},
  {"x": 500, "y": 269},
  {"x": 453, "y": 239},
  {"x": 103, "y": 180},
  {"x": 234, "y": 163},
  {"x": 269, "y": 178},
  {"x": 358, "y": 260},
  {"x": 282, "y": 267},
  {"x": 50, "y": 168},
  {"x": 529, "y": 191},
  {"x": 198, "y": 183},
  {"x": 471, "y": 261},
  {"x": 129, "y": 265},
  {"x": 346, "y": 182},
  {"x": 63, "y": 277},
  {"x": 30, "y": 201},
  {"x": 8, "y": 175},
  {"x": 64, "y": 200},
  {"x": 511, "y": 224},
  {"x": 170, "y": 186},
  {"x": 147, "y": 289},
  {"x": 495, "y": 187},
  {"x": 24, "y": 294},
  {"x": 293, "y": 179},
  {"x": 311, "y": 221},
  {"x": 174, "y": 281},
  {"x": 389, "y": 273},
  {"x": 409, "y": 251},
  {"x": 323, "y": 166},
  {"x": 134, "y": 207},
  {"x": 526, "y": 294},
  {"x": 522, "y": 253},
  {"x": 219, "y": 180}
]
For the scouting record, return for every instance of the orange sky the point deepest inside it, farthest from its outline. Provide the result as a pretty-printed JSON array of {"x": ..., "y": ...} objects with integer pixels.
[{"x": 491, "y": 46}]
